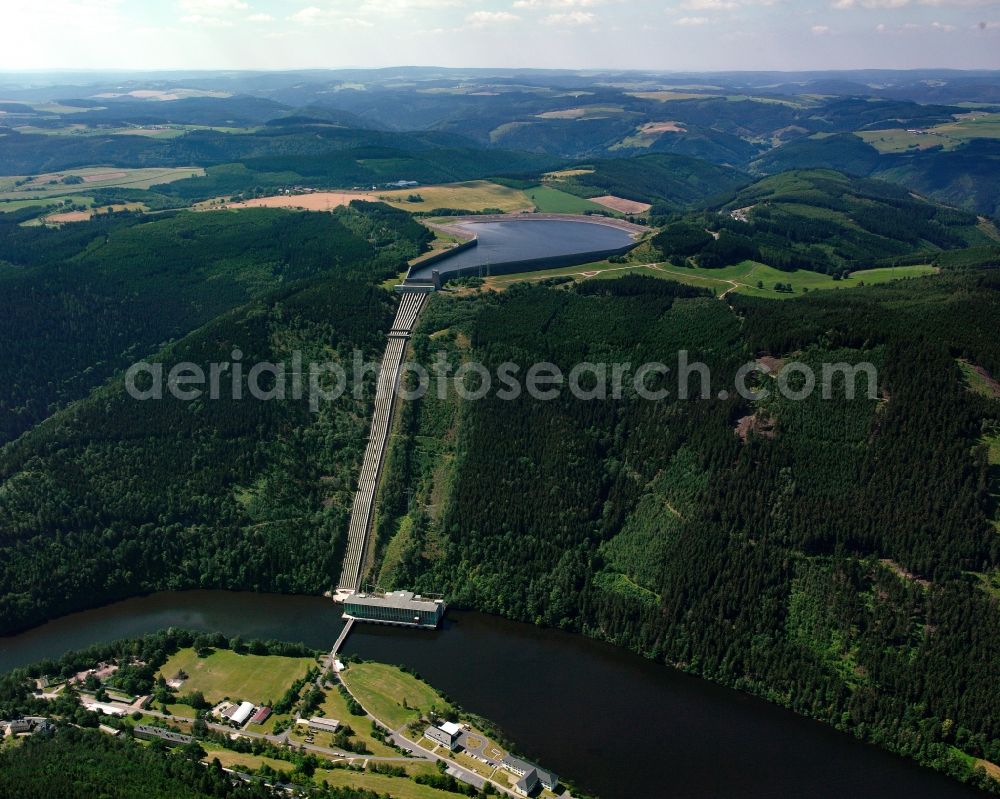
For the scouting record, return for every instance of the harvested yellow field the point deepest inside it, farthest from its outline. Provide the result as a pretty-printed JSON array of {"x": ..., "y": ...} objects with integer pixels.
[
  {"x": 662, "y": 127},
  {"x": 621, "y": 205},
  {"x": 70, "y": 181},
  {"x": 568, "y": 173},
  {"x": 315, "y": 201},
  {"x": 584, "y": 112},
  {"x": 83, "y": 216},
  {"x": 477, "y": 195}
]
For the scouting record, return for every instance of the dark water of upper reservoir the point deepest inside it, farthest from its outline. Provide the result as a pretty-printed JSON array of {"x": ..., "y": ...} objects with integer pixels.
[
  {"x": 506, "y": 243},
  {"x": 619, "y": 725}
]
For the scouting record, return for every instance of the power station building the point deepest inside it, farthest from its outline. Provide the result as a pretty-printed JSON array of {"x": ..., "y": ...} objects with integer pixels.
[{"x": 396, "y": 607}]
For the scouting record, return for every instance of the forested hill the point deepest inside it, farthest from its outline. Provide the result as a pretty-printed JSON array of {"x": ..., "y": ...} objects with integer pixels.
[
  {"x": 669, "y": 182},
  {"x": 303, "y": 154},
  {"x": 822, "y": 221},
  {"x": 114, "y": 497},
  {"x": 79, "y": 302},
  {"x": 82, "y": 763},
  {"x": 111, "y": 496},
  {"x": 840, "y": 557},
  {"x": 965, "y": 176}
]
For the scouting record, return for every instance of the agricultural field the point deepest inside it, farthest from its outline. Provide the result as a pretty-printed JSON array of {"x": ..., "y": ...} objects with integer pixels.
[
  {"x": 476, "y": 195},
  {"x": 669, "y": 96},
  {"x": 897, "y": 140},
  {"x": 391, "y": 695},
  {"x": 562, "y": 174},
  {"x": 382, "y": 784},
  {"x": 647, "y": 135},
  {"x": 71, "y": 181},
  {"x": 8, "y": 206},
  {"x": 312, "y": 201},
  {"x": 63, "y": 217},
  {"x": 254, "y": 678},
  {"x": 334, "y": 706},
  {"x": 549, "y": 200},
  {"x": 241, "y": 760},
  {"x": 742, "y": 278},
  {"x": 621, "y": 205},
  {"x": 975, "y": 125},
  {"x": 149, "y": 131},
  {"x": 759, "y": 280},
  {"x": 584, "y": 112}
]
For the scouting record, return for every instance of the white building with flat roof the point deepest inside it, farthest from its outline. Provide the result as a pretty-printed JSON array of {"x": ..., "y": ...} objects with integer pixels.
[
  {"x": 445, "y": 734},
  {"x": 320, "y": 724},
  {"x": 243, "y": 712},
  {"x": 105, "y": 708}
]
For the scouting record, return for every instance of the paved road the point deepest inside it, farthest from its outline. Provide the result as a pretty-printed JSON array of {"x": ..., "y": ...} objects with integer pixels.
[
  {"x": 282, "y": 740},
  {"x": 457, "y": 771}
]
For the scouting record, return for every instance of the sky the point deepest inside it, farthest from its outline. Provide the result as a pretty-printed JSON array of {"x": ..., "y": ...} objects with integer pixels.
[{"x": 571, "y": 34}]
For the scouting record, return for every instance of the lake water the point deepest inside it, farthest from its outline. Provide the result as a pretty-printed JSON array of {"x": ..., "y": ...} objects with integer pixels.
[
  {"x": 617, "y": 724},
  {"x": 503, "y": 246}
]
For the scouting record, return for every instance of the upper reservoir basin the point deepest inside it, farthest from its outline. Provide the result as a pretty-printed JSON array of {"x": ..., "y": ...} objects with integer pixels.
[{"x": 522, "y": 244}]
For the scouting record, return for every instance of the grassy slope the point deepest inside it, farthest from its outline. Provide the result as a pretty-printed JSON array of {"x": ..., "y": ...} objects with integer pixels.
[
  {"x": 382, "y": 689},
  {"x": 39, "y": 186},
  {"x": 744, "y": 275},
  {"x": 550, "y": 200},
  {"x": 254, "y": 678},
  {"x": 472, "y": 196}
]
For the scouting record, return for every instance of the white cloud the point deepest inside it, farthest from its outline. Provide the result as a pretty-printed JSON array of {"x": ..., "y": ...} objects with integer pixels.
[
  {"x": 313, "y": 16},
  {"x": 820, "y": 30},
  {"x": 260, "y": 18},
  {"x": 570, "y": 19},
  {"x": 691, "y": 22},
  {"x": 207, "y": 7},
  {"x": 21, "y": 16},
  {"x": 210, "y": 13},
  {"x": 913, "y": 27},
  {"x": 398, "y": 7},
  {"x": 557, "y": 3},
  {"x": 709, "y": 5},
  {"x": 893, "y": 4},
  {"x": 480, "y": 19},
  {"x": 202, "y": 21}
]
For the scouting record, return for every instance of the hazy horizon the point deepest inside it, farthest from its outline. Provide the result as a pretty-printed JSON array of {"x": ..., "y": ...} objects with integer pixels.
[{"x": 675, "y": 36}]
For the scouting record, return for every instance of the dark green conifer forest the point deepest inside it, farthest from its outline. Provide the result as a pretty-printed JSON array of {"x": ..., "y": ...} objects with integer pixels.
[{"x": 840, "y": 558}]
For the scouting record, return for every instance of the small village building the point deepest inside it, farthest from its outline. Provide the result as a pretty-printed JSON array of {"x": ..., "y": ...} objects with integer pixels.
[
  {"x": 262, "y": 715},
  {"x": 242, "y": 713},
  {"x": 105, "y": 708},
  {"x": 150, "y": 733},
  {"x": 17, "y": 727},
  {"x": 531, "y": 775},
  {"x": 320, "y": 724},
  {"x": 446, "y": 734}
]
